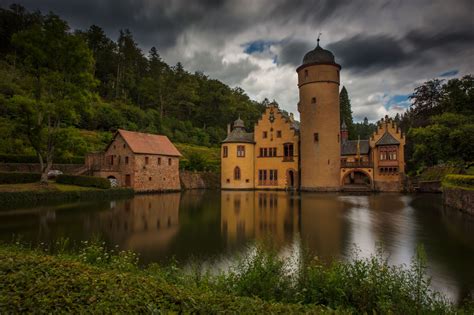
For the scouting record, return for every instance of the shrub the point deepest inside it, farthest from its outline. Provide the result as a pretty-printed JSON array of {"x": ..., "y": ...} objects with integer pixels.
[
  {"x": 18, "y": 178},
  {"x": 19, "y": 158},
  {"x": 459, "y": 180},
  {"x": 85, "y": 181}
]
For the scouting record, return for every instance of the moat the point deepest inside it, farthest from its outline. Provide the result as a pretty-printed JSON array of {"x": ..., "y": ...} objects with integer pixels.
[{"x": 214, "y": 227}]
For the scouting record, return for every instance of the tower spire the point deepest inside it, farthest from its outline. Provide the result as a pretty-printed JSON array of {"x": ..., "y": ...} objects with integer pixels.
[{"x": 319, "y": 35}]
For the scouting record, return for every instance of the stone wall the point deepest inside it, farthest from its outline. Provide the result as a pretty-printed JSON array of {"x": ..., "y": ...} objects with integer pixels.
[
  {"x": 35, "y": 167},
  {"x": 461, "y": 199},
  {"x": 199, "y": 180},
  {"x": 430, "y": 186}
]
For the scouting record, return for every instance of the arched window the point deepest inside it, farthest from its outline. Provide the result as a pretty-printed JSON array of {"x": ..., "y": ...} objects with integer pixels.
[{"x": 237, "y": 173}]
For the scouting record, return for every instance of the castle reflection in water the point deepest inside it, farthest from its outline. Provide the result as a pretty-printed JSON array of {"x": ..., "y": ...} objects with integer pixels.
[{"x": 205, "y": 225}]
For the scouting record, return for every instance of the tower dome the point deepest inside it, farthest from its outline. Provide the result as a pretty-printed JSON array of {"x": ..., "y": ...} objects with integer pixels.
[
  {"x": 239, "y": 123},
  {"x": 318, "y": 55}
]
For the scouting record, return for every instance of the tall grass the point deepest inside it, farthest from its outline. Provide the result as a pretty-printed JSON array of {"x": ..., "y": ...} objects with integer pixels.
[{"x": 359, "y": 285}]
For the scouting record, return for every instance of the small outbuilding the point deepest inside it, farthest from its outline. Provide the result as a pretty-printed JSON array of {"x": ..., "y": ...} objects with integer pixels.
[{"x": 142, "y": 161}]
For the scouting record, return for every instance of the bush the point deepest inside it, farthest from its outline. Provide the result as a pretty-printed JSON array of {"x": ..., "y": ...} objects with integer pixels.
[
  {"x": 459, "y": 180},
  {"x": 19, "y": 178},
  {"x": 85, "y": 181},
  {"x": 19, "y": 158}
]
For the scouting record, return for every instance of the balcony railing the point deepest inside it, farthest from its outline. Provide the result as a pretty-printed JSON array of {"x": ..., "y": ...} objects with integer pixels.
[{"x": 366, "y": 164}]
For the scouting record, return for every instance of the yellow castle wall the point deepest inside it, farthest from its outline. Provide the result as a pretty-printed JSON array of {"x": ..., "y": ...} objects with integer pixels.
[
  {"x": 283, "y": 166},
  {"x": 246, "y": 165},
  {"x": 388, "y": 182}
]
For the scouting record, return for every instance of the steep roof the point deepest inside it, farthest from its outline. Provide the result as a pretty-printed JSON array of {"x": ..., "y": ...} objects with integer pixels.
[
  {"x": 239, "y": 135},
  {"x": 146, "y": 143},
  {"x": 349, "y": 147},
  {"x": 387, "y": 139}
]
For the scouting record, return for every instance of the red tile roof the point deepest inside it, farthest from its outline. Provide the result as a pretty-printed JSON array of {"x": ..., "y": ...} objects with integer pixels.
[{"x": 147, "y": 143}]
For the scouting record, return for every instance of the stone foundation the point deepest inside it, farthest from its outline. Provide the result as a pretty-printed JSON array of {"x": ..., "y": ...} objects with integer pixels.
[
  {"x": 458, "y": 198},
  {"x": 388, "y": 186}
]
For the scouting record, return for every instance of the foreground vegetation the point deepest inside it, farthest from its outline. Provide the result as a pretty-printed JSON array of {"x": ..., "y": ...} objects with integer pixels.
[{"x": 94, "y": 279}]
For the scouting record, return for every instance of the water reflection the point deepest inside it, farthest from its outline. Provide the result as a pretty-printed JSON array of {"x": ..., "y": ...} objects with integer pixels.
[
  {"x": 205, "y": 225},
  {"x": 258, "y": 215},
  {"x": 142, "y": 224}
]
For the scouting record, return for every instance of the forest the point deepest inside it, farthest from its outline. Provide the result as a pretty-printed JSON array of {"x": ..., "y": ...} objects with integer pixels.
[{"x": 64, "y": 92}]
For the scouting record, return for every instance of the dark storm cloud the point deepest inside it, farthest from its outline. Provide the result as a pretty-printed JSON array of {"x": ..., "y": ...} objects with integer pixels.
[
  {"x": 293, "y": 51},
  {"x": 152, "y": 22},
  {"x": 369, "y": 52}
]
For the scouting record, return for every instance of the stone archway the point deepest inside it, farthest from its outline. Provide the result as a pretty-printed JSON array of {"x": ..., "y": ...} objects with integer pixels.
[
  {"x": 357, "y": 179},
  {"x": 113, "y": 181}
]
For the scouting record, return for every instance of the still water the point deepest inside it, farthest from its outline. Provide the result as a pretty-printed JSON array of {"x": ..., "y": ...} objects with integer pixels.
[{"x": 215, "y": 226}]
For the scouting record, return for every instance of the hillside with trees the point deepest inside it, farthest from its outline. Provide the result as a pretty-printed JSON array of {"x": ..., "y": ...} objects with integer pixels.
[{"x": 63, "y": 91}]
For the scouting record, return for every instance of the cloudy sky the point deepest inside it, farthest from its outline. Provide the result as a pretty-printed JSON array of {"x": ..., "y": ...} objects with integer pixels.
[{"x": 386, "y": 48}]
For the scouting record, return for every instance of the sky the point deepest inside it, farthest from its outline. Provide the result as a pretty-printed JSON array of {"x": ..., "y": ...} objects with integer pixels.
[{"x": 385, "y": 48}]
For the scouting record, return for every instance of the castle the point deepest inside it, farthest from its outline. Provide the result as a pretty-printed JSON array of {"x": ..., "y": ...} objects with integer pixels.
[{"x": 314, "y": 154}]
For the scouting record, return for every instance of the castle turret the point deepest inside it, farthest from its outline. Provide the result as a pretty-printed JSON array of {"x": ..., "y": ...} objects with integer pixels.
[
  {"x": 318, "y": 83},
  {"x": 237, "y": 164}
]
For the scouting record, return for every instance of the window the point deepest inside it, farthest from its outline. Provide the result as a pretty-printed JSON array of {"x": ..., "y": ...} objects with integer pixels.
[
  {"x": 288, "y": 151},
  {"x": 316, "y": 137},
  {"x": 126, "y": 160},
  {"x": 383, "y": 156},
  {"x": 237, "y": 173},
  {"x": 262, "y": 175},
  {"x": 273, "y": 175},
  {"x": 169, "y": 161},
  {"x": 278, "y": 133},
  {"x": 146, "y": 160},
  {"x": 392, "y": 155},
  {"x": 114, "y": 146},
  {"x": 268, "y": 152},
  {"x": 264, "y": 134},
  {"x": 159, "y": 161},
  {"x": 306, "y": 74},
  {"x": 225, "y": 151},
  {"x": 313, "y": 100},
  {"x": 124, "y": 146},
  {"x": 111, "y": 159},
  {"x": 149, "y": 178},
  {"x": 240, "y": 151},
  {"x": 119, "y": 159},
  {"x": 270, "y": 180}
]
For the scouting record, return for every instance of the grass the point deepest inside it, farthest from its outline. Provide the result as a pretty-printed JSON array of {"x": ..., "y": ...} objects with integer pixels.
[
  {"x": 32, "y": 282},
  {"x": 13, "y": 195},
  {"x": 37, "y": 187},
  {"x": 93, "y": 279}
]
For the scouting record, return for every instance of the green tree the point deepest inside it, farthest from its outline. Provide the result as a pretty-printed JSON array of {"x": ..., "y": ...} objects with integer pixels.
[
  {"x": 346, "y": 112},
  {"x": 448, "y": 138},
  {"x": 61, "y": 67}
]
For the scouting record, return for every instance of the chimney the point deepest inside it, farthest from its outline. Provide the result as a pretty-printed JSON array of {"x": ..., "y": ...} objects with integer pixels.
[{"x": 228, "y": 129}]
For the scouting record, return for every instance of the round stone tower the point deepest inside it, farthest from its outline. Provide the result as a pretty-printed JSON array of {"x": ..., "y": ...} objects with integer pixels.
[{"x": 318, "y": 83}]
